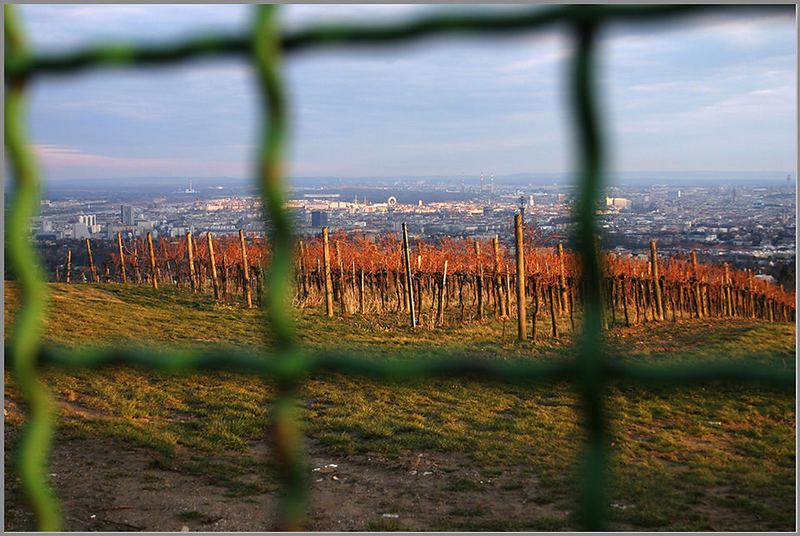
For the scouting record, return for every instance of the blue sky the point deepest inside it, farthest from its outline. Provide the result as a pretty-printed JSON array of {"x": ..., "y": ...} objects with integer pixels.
[{"x": 711, "y": 93}]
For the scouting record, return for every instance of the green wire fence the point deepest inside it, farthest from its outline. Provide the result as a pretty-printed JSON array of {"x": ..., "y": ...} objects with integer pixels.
[{"x": 286, "y": 363}]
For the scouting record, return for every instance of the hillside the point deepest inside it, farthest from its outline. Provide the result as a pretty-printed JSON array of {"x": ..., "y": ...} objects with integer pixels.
[{"x": 434, "y": 454}]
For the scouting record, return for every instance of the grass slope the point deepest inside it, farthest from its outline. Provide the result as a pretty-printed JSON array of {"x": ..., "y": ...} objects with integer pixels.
[{"x": 678, "y": 455}]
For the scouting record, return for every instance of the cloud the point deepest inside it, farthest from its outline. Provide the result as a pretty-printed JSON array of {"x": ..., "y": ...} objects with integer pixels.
[
  {"x": 53, "y": 27},
  {"x": 658, "y": 86},
  {"x": 69, "y": 162},
  {"x": 301, "y": 15},
  {"x": 247, "y": 146},
  {"x": 548, "y": 58},
  {"x": 456, "y": 103},
  {"x": 745, "y": 33}
]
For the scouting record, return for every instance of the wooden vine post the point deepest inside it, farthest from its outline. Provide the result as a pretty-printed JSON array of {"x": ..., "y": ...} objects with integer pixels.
[
  {"x": 407, "y": 268},
  {"x": 418, "y": 288},
  {"x": 121, "y": 258},
  {"x": 599, "y": 254},
  {"x": 353, "y": 280},
  {"x": 91, "y": 261},
  {"x": 656, "y": 284},
  {"x": 562, "y": 287},
  {"x": 698, "y": 306},
  {"x": 245, "y": 272},
  {"x": 326, "y": 266},
  {"x": 521, "y": 321},
  {"x": 213, "y": 262},
  {"x": 69, "y": 263},
  {"x": 340, "y": 286},
  {"x": 442, "y": 291},
  {"x": 152, "y": 260},
  {"x": 498, "y": 282},
  {"x": 198, "y": 272},
  {"x": 507, "y": 300},
  {"x": 136, "y": 262},
  {"x": 224, "y": 275},
  {"x": 534, "y": 289},
  {"x": 553, "y": 297},
  {"x": 361, "y": 290},
  {"x": 479, "y": 280},
  {"x": 190, "y": 252},
  {"x": 727, "y": 283},
  {"x": 624, "y": 300}
]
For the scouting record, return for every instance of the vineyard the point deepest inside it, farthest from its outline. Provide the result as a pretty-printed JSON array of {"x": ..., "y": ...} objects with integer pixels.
[{"x": 453, "y": 280}]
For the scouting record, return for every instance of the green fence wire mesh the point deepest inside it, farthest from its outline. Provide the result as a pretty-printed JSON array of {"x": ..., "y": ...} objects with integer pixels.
[{"x": 287, "y": 364}]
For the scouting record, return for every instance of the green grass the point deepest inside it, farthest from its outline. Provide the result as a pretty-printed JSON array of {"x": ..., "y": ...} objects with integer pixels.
[
  {"x": 724, "y": 447},
  {"x": 191, "y": 515}
]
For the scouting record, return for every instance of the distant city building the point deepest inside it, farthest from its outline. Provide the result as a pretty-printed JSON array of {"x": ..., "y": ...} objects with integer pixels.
[
  {"x": 178, "y": 231},
  {"x": 87, "y": 219},
  {"x": 126, "y": 214},
  {"x": 86, "y": 226},
  {"x": 618, "y": 202},
  {"x": 487, "y": 211},
  {"x": 49, "y": 236},
  {"x": 112, "y": 230},
  {"x": 80, "y": 231},
  {"x": 319, "y": 218},
  {"x": 143, "y": 226}
]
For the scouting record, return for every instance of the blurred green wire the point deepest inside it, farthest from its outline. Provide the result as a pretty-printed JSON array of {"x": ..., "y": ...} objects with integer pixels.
[
  {"x": 34, "y": 446},
  {"x": 287, "y": 364}
]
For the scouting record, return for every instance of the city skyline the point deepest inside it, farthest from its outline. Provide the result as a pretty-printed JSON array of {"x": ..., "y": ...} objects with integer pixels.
[{"x": 708, "y": 93}]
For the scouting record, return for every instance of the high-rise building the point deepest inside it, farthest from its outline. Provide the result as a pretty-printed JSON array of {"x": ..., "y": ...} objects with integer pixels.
[
  {"x": 319, "y": 218},
  {"x": 80, "y": 231},
  {"x": 126, "y": 214},
  {"x": 87, "y": 219}
]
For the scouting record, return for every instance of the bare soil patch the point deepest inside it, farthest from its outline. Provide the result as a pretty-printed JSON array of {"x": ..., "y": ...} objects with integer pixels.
[{"x": 106, "y": 486}]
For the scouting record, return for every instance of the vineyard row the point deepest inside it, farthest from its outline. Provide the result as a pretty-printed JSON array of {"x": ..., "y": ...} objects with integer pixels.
[{"x": 452, "y": 280}]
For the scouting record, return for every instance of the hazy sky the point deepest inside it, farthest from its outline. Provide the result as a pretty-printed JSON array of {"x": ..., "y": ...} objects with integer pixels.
[{"x": 710, "y": 93}]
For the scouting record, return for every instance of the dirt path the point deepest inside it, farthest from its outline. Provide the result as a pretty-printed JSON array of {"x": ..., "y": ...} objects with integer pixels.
[{"x": 105, "y": 486}]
